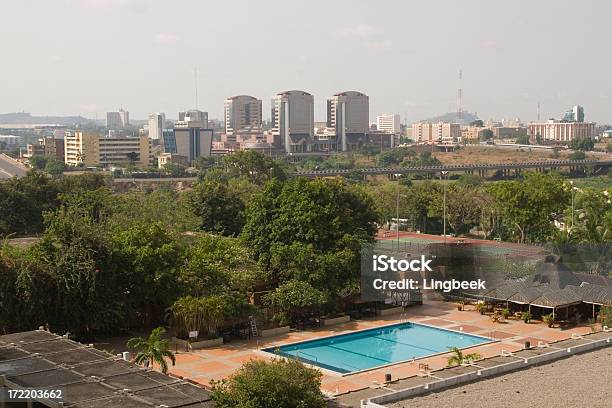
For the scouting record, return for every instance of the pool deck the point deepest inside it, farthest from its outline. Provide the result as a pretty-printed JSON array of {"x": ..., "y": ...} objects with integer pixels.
[{"x": 217, "y": 363}]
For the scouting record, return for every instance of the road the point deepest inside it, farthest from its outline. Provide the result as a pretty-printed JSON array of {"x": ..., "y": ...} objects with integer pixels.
[{"x": 9, "y": 167}]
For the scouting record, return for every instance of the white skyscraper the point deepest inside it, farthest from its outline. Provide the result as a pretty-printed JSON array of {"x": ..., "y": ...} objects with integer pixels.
[
  {"x": 293, "y": 120},
  {"x": 348, "y": 114},
  {"x": 157, "y": 123}
]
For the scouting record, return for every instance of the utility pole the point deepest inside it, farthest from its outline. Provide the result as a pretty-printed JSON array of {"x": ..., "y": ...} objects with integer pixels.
[
  {"x": 444, "y": 174},
  {"x": 397, "y": 200}
]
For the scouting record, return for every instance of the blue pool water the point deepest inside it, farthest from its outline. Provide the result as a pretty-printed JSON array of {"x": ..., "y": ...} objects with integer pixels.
[{"x": 376, "y": 347}]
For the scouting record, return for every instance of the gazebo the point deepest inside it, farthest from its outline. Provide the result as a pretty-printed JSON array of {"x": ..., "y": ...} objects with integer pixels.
[{"x": 553, "y": 286}]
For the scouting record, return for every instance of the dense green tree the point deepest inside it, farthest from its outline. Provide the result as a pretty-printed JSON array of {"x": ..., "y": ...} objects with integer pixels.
[
  {"x": 523, "y": 139},
  {"x": 271, "y": 384},
  {"x": 584, "y": 144},
  {"x": 38, "y": 162},
  {"x": 219, "y": 208},
  {"x": 317, "y": 212},
  {"x": 528, "y": 207},
  {"x": 175, "y": 169},
  {"x": 215, "y": 264},
  {"x": 297, "y": 229},
  {"x": 253, "y": 165},
  {"x": 294, "y": 300},
  {"x": 23, "y": 202},
  {"x": 153, "y": 257},
  {"x": 55, "y": 167}
]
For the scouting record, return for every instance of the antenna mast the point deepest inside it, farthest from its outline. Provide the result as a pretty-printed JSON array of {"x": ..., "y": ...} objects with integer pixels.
[
  {"x": 195, "y": 78},
  {"x": 460, "y": 98}
]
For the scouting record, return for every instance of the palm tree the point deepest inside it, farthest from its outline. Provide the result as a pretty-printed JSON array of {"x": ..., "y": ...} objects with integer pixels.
[
  {"x": 459, "y": 358},
  {"x": 152, "y": 350}
]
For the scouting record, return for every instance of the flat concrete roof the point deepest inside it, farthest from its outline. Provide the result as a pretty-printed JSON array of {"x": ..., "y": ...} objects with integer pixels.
[{"x": 89, "y": 377}]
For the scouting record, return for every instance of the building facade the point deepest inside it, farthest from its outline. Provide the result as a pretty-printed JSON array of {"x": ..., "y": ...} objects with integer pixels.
[
  {"x": 293, "y": 121},
  {"x": 388, "y": 123},
  {"x": 194, "y": 115},
  {"x": 440, "y": 132},
  {"x": 192, "y": 139},
  {"x": 348, "y": 114},
  {"x": 242, "y": 118},
  {"x": 157, "y": 123},
  {"x": 555, "y": 131},
  {"x": 118, "y": 119},
  {"x": 94, "y": 150}
]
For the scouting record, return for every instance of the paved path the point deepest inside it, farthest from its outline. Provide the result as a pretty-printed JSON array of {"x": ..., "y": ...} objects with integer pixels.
[{"x": 220, "y": 362}]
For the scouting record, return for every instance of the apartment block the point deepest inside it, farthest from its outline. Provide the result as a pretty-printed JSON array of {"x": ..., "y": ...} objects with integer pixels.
[{"x": 436, "y": 132}]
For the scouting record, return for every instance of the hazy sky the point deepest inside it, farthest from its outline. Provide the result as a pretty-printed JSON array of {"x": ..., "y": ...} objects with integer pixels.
[{"x": 87, "y": 56}]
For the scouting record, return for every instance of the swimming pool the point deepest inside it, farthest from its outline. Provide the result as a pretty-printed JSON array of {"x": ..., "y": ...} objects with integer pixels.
[{"x": 372, "y": 348}]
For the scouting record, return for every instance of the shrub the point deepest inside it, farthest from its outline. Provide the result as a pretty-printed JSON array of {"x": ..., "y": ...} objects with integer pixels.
[
  {"x": 605, "y": 316},
  {"x": 526, "y": 317},
  {"x": 548, "y": 319},
  {"x": 270, "y": 384}
]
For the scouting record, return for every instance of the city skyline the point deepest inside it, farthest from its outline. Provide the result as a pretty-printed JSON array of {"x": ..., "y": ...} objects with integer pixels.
[{"x": 407, "y": 60}]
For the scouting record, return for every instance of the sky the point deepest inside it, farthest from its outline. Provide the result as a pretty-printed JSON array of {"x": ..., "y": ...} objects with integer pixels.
[{"x": 86, "y": 57}]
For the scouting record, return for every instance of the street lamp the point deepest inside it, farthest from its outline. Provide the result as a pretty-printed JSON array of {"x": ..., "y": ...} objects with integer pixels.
[{"x": 444, "y": 174}]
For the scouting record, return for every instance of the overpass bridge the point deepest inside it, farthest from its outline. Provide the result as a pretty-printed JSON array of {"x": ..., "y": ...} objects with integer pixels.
[
  {"x": 481, "y": 169},
  {"x": 506, "y": 169}
]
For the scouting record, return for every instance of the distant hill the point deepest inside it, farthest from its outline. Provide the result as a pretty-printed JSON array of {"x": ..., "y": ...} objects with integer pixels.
[
  {"x": 451, "y": 117},
  {"x": 28, "y": 119}
]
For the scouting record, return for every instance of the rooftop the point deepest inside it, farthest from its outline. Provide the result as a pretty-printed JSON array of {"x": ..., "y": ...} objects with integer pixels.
[{"x": 89, "y": 377}]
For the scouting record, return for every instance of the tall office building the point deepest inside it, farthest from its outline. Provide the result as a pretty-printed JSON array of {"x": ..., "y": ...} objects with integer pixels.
[
  {"x": 157, "y": 122},
  {"x": 576, "y": 114},
  {"x": 192, "y": 137},
  {"x": 348, "y": 114},
  {"x": 117, "y": 119},
  {"x": 388, "y": 123},
  {"x": 242, "y": 112},
  {"x": 293, "y": 121},
  {"x": 194, "y": 115},
  {"x": 242, "y": 119}
]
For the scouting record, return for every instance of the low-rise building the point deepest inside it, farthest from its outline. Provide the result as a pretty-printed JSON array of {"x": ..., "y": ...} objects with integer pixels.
[
  {"x": 556, "y": 131},
  {"x": 508, "y": 132},
  {"x": 166, "y": 158},
  {"x": 441, "y": 132},
  {"x": 93, "y": 150}
]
